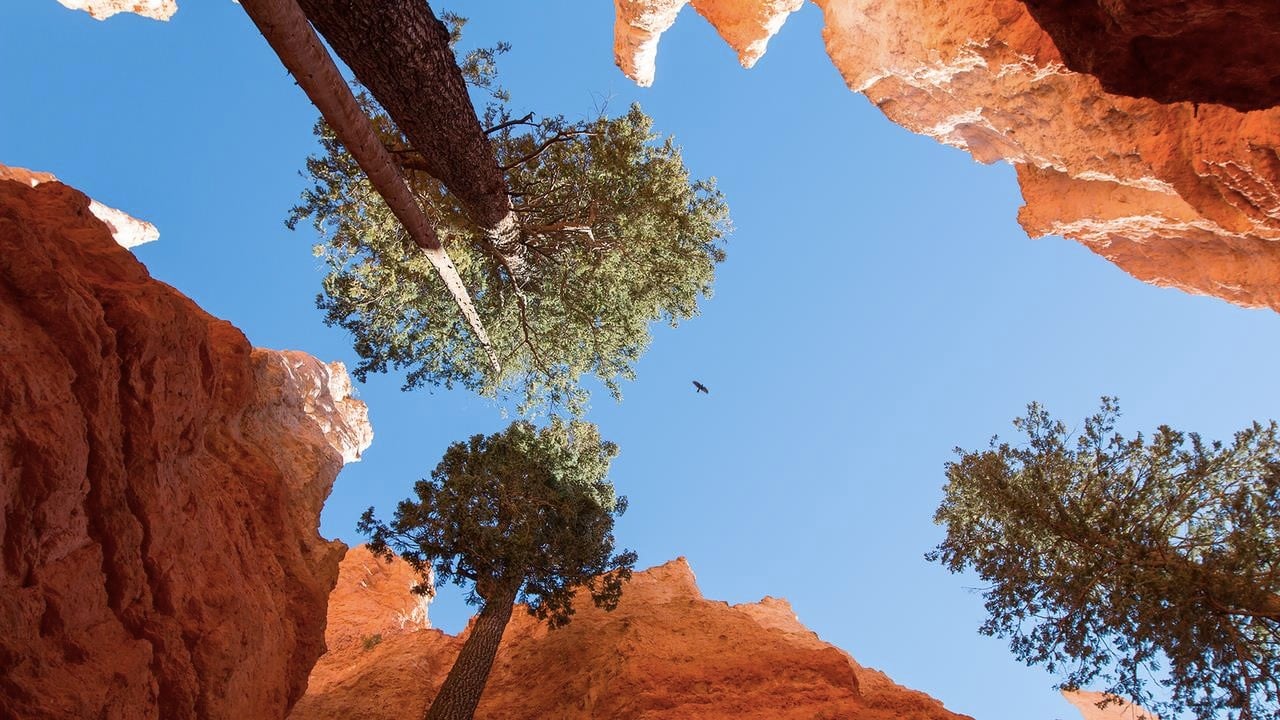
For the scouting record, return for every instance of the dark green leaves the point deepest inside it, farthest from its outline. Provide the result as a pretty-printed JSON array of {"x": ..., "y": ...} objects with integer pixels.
[
  {"x": 524, "y": 508},
  {"x": 1128, "y": 561},
  {"x": 610, "y": 235}
]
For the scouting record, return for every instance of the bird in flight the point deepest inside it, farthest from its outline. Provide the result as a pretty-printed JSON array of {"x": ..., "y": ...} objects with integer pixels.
[{"x": 700, "y": 387}]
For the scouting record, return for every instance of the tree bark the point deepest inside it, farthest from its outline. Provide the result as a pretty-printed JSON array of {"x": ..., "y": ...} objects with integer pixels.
[
  {"x": 400, "y": 51},
  {"x": 284, "y": 26},
  {"x": 461, "y": 691}
]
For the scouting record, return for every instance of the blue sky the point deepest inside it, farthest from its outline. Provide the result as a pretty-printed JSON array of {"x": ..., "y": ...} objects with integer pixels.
[{"x": 880, "y": 306}]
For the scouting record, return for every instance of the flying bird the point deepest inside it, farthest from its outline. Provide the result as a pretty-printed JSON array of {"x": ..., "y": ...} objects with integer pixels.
[{"x": 700, "y": 388}]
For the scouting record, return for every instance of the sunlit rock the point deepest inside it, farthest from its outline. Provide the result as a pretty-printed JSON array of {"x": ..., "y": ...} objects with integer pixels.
[{"x": 1179, "y": 195}]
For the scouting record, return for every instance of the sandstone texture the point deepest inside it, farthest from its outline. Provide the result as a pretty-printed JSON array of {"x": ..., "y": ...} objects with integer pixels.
[
  {"x": 665, "y": 653},
  {"x": 746, "y": 26},
  {"x": 103, "y": 9},
  {"x": 1179, "y": 194},
  {"x": 373, "y": 600},
  {"x": 127, "y": 230},
  {"x": 160, "y": 487},
  {"x": 1212, "y": 51},
  {"x": 1087, "y": 703}
]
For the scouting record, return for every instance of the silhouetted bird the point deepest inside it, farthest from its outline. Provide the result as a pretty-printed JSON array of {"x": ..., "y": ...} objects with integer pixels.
[{"x": 700, "y": 387}]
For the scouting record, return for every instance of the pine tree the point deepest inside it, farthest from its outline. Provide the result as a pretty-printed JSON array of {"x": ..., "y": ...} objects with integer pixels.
[
  {"x": 525, "y": 514},
  {"x": 1137, "y": 563}
]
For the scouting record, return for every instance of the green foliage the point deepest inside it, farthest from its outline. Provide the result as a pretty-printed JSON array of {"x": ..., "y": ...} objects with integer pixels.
[
  {"x": 523, "y": 508},
  {"x": 1129, "y": 561},
  {"x": 371, "y": 641},
  {"x": 611, "y": 235}
]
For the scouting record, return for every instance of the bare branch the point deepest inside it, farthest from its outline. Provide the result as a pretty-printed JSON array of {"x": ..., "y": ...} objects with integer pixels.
[
  {"x": 526, "y": 120},
  {"x": 559, "y": 137}
]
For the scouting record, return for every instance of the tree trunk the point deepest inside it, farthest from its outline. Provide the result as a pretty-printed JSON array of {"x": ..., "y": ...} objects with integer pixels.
[
  {"x": 460, "y": 694},
  {"x": 284, "y": 26},
  {"x": 400, "y": 51}
]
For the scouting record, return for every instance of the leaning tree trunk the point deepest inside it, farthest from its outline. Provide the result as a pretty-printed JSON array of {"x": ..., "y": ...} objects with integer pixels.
[
  {"x": 460, "y": 694},
  {"x": 284, "y": 26},
  {"x": 400, "y": 51}
]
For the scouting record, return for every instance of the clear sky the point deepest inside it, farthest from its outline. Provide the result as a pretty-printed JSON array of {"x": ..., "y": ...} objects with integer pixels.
[{"x": 879, "y": 306}]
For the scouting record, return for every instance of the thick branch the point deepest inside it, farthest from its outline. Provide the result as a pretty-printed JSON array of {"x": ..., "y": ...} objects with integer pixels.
[{"x": 400, "y": 52}]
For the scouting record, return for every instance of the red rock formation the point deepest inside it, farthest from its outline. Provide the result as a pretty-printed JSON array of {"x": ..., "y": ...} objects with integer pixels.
[
  {"x": 664, "y": 653},
  {"x": 373, "y": 600},
  {"x": 1216, "y": 51},
  {"x": 160, "y": 487},
  {"x": 1177, "y": 195},
  {"x": 746, "y": 26},
  {"x": 127, "y": 230}
]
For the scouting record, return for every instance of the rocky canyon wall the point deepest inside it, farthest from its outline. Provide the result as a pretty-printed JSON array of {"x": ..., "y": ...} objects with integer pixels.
[
  {"x": 160, "y": 487},
  {"x": 666, "y": 652},
  {"x": 1224, "y": 51},
  {"x": 1177, "y": 194}
]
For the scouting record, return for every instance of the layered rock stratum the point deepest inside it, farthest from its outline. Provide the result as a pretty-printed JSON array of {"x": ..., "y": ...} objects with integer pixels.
[
  {"x": 665, "y": 652},
  {"x": 160, "y": 487},
  {"x": 1177, "y": 194}
]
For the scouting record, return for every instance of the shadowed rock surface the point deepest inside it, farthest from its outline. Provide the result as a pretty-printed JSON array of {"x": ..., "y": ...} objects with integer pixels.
[
  {"x": 160, "y": 487},
  {"x": 1212, "y": 51}
]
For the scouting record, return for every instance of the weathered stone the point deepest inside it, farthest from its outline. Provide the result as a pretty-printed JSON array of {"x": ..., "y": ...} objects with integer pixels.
[
  {"x": 160, "y": 487},
  {"x": 103, "y": 9},
  {"x": 1176, "y": 194},
  {"x": 1213, "y": 51},
  {"x": 665, "y": 652},
  {"x": 126, "y": 229}
]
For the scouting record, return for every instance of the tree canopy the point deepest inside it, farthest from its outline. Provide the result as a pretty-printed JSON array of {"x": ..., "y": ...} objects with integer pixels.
[
  {"x": 1150, "y": 565},
  {"x": 523, "y": 514},
  {"x": 610, "y": 235},
  {"x": 526, "y": 508}
]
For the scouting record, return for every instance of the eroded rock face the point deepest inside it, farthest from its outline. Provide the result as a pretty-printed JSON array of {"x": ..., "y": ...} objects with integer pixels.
[
  {"x": 160, "y": 487},
  {"x": 746, "y": 26},
  {"x": 1176, "y": 194},
  {"x": 126, "y": 229},
  {"x": 1213, "y": 51},
  {"x": 666, "y": 652},
  {"x": 103, "y": 9}
]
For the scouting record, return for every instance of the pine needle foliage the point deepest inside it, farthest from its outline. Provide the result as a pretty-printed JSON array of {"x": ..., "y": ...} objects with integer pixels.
[
  {"x": 528, "y": 508},
  {"x": 1151, "y": 565},
  {"x": 612, "y": 235}
]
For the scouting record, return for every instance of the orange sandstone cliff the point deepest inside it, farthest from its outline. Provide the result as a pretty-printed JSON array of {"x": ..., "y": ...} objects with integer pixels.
[
  {"x": 1179, "y": 194},
  {"x": 160, "y": 487},
  {"x": 666, "y": 652}
]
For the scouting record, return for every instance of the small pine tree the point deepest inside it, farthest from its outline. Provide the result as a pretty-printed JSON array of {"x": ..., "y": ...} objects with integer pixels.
[{"x": 525, "y": 514}]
